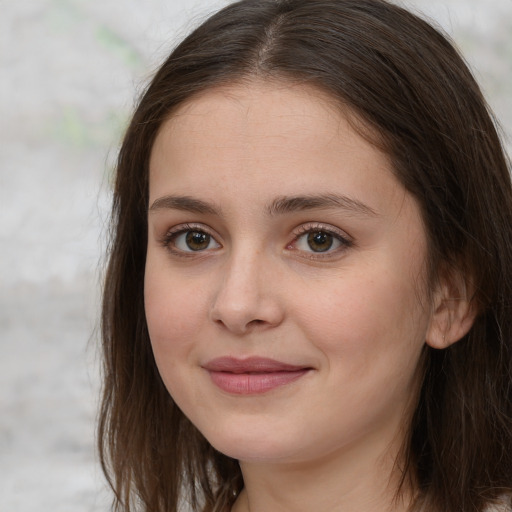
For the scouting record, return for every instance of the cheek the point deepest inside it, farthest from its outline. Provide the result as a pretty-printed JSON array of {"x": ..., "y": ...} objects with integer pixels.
[
  {"x": 365, "y": 321},
  {"x": 173, "y": 311}
]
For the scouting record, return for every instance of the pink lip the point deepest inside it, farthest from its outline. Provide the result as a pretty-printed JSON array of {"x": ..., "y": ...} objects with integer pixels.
[{"x": 252, "y": 375}]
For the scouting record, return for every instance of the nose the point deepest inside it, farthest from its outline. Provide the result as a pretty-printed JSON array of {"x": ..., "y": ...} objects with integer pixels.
[{"x": 247, "y": 297}]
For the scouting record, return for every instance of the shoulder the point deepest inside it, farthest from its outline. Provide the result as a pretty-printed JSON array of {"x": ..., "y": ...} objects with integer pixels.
[{"x": 504, "y": 505}]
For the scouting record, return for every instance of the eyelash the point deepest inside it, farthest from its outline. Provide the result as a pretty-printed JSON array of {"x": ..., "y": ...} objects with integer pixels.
[
  {"x": 344, "y": 241},
  {"x": 170, "y": 237}
]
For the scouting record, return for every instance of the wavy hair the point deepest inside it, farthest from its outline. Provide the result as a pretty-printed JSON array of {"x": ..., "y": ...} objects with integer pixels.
[{"x": 408, "y": 84}]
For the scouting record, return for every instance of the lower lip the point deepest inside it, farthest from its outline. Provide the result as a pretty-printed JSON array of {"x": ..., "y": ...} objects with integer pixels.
[{"x": 254, "y": 383}]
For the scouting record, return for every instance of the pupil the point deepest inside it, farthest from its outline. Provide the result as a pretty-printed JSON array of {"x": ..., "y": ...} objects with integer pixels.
[
  {"x": 320, "y": 241},
  {"x": 197, "y": 241}
]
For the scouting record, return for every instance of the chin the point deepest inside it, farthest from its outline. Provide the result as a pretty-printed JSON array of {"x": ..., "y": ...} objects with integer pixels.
[
  {"x": 253, "y": 452},
  {"x": 241, "y": 440},
  {"x": 249, "y": 445}
]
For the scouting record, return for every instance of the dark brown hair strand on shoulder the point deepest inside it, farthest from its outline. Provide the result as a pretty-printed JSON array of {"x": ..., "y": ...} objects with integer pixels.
[{"x": 419, "y": 102}]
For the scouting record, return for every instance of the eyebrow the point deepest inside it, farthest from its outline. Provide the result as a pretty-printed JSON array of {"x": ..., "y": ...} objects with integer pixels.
[
  {"x": 184, "y": 203},
  {"x": 286, "y": 204},
  {"x": 279, "y": 206}
]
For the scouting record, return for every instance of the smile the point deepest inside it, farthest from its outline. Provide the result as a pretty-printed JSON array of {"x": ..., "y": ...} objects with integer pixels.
[{"x": 254, "y": 375}]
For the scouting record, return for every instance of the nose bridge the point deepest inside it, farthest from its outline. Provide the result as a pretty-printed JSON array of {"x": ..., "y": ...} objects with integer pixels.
[{"x": 245, "y": 295}]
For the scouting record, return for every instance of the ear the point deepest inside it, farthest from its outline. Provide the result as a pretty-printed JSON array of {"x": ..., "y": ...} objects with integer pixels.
[{"x": 453, "y": 311}]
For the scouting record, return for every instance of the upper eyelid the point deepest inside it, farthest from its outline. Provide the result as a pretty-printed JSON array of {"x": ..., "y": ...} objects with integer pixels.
[
  {"x": 306, "y": 227},
  {"x": 190, "y": 226},
  {"x": 169, "y": 238},
  {"x": 297, "y": 232},
  {"x": 171, "y": 233}
]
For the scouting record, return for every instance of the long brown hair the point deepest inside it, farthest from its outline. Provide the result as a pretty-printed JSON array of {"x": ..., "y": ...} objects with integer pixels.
[{"x": 408, "y": 84}]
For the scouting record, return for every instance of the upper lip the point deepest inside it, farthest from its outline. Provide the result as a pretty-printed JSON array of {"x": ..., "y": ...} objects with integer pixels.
[{"x": 250, "y": 365}]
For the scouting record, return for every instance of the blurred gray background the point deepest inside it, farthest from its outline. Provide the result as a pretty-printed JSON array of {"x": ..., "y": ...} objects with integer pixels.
[{"x": 70, "y": 71}]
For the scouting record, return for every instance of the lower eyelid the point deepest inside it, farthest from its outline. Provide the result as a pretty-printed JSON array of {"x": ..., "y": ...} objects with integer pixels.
[
  {"x": 337, "y": 239},
  {"x": 169, "y": 237},
  {"x": 172, "y": 234}
]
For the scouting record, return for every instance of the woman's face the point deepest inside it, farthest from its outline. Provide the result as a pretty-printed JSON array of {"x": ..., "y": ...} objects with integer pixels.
[{"x": 285, "y": 278}]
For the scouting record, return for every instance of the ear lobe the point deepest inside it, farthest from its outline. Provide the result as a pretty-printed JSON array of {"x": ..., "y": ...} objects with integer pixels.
[{"x": 453, "y": 313}]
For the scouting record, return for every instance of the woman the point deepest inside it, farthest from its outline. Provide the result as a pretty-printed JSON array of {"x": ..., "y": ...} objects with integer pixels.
[{"x": 308, "y": 299}]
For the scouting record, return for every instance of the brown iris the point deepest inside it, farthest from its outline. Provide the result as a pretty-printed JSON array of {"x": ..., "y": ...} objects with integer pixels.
[
  {"x": 197, "y": 240},
  {"x": 320, "y": 241}
]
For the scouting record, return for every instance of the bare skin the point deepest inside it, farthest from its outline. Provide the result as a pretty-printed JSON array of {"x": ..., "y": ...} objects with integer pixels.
[{"x": 277, "y": 232}]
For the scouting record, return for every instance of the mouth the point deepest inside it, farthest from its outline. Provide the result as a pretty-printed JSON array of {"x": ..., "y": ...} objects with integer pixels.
[{"x": 254, "y": 375}]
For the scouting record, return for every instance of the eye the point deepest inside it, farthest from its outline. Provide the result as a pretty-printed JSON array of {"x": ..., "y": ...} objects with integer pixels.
[
  {"x": 319, "y": 240},
  {"x": 189, "y": 240}
]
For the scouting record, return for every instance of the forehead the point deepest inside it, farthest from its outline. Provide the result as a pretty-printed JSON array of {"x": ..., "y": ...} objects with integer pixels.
[
  {"x": 282, "y": 108},
  {"x": 256, "y": 102},
  {"x": 263, "y": 127},
  {"x": 243, "y": 150}
]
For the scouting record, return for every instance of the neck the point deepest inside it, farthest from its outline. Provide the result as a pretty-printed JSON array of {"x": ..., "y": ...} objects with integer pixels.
[{"x": 348, "y": 483}]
